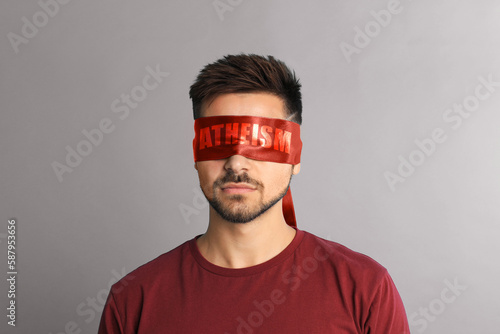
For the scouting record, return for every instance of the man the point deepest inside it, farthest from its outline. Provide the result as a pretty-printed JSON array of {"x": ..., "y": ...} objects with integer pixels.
[{"x": 253, "y": 271}]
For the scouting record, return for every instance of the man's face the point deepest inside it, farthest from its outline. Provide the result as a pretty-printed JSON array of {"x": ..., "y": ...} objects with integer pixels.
[{"x": 241, "y": 189}]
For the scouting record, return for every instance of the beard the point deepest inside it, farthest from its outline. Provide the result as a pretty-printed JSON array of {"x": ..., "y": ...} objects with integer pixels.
[{"x": 234, "y": 209}]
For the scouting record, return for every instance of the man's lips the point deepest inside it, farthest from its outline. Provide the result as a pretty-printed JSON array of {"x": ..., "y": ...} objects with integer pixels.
[{"x": 237, "y": 188}]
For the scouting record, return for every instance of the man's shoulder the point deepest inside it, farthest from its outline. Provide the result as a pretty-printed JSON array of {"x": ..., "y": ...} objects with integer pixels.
[
  {"x": 161, "y": 268},
  {"x": 342, "y": 258}
]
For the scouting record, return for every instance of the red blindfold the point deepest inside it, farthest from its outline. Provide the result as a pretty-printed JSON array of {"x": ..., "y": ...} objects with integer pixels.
[{"x": 258, "y": 138}]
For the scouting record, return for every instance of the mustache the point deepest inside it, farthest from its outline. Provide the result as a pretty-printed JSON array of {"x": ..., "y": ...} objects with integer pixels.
[{"x": 232, "y": 177}]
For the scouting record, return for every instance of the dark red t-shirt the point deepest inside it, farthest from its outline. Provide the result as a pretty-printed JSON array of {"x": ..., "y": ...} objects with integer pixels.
[{"x": 312, "y": 286}]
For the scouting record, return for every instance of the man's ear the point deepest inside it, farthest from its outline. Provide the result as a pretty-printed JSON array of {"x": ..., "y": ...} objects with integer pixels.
[{"x": 296, "y": 169}]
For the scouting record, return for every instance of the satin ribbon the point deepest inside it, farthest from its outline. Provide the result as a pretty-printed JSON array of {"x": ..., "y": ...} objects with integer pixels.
[{"x": 258, "y": 138}]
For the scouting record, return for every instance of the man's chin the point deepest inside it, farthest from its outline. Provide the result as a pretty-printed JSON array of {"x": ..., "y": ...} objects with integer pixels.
[
  {"x": 235, "y": 212},
  {"x": 237, "y": 218},
  {"x": 234, "y": 198}
]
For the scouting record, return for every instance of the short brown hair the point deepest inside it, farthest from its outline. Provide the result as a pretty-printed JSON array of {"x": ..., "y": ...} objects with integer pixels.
[{"x": 247, "y": 73}]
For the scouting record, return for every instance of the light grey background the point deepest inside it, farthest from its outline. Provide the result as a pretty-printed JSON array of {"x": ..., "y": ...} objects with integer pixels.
[{"x": 123, "y": 204}]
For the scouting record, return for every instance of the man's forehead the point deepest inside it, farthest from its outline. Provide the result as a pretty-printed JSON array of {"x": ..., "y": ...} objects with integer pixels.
[{"x": 245, "y": 104}]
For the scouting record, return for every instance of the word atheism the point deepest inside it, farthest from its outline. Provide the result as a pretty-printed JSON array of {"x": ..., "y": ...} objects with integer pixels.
[
  {"x": 248, "y": 137},
  {"x": 281, "y": 139}
]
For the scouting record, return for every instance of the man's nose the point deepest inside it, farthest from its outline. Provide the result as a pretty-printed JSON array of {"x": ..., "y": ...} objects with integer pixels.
[{"x": 237, "y": 163}]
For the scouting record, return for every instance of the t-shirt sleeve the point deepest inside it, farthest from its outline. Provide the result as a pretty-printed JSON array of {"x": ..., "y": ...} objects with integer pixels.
[
  {"x": 110, "y": 319},
  {"x": 387, "y": 314}
]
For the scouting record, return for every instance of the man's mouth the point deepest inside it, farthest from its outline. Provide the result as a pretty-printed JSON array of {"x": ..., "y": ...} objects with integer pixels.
[{"x": 237, "y": 188}]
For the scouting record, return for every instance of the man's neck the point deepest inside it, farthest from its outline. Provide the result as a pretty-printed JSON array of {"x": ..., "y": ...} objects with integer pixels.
[{"x": 235, "y": 245}]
